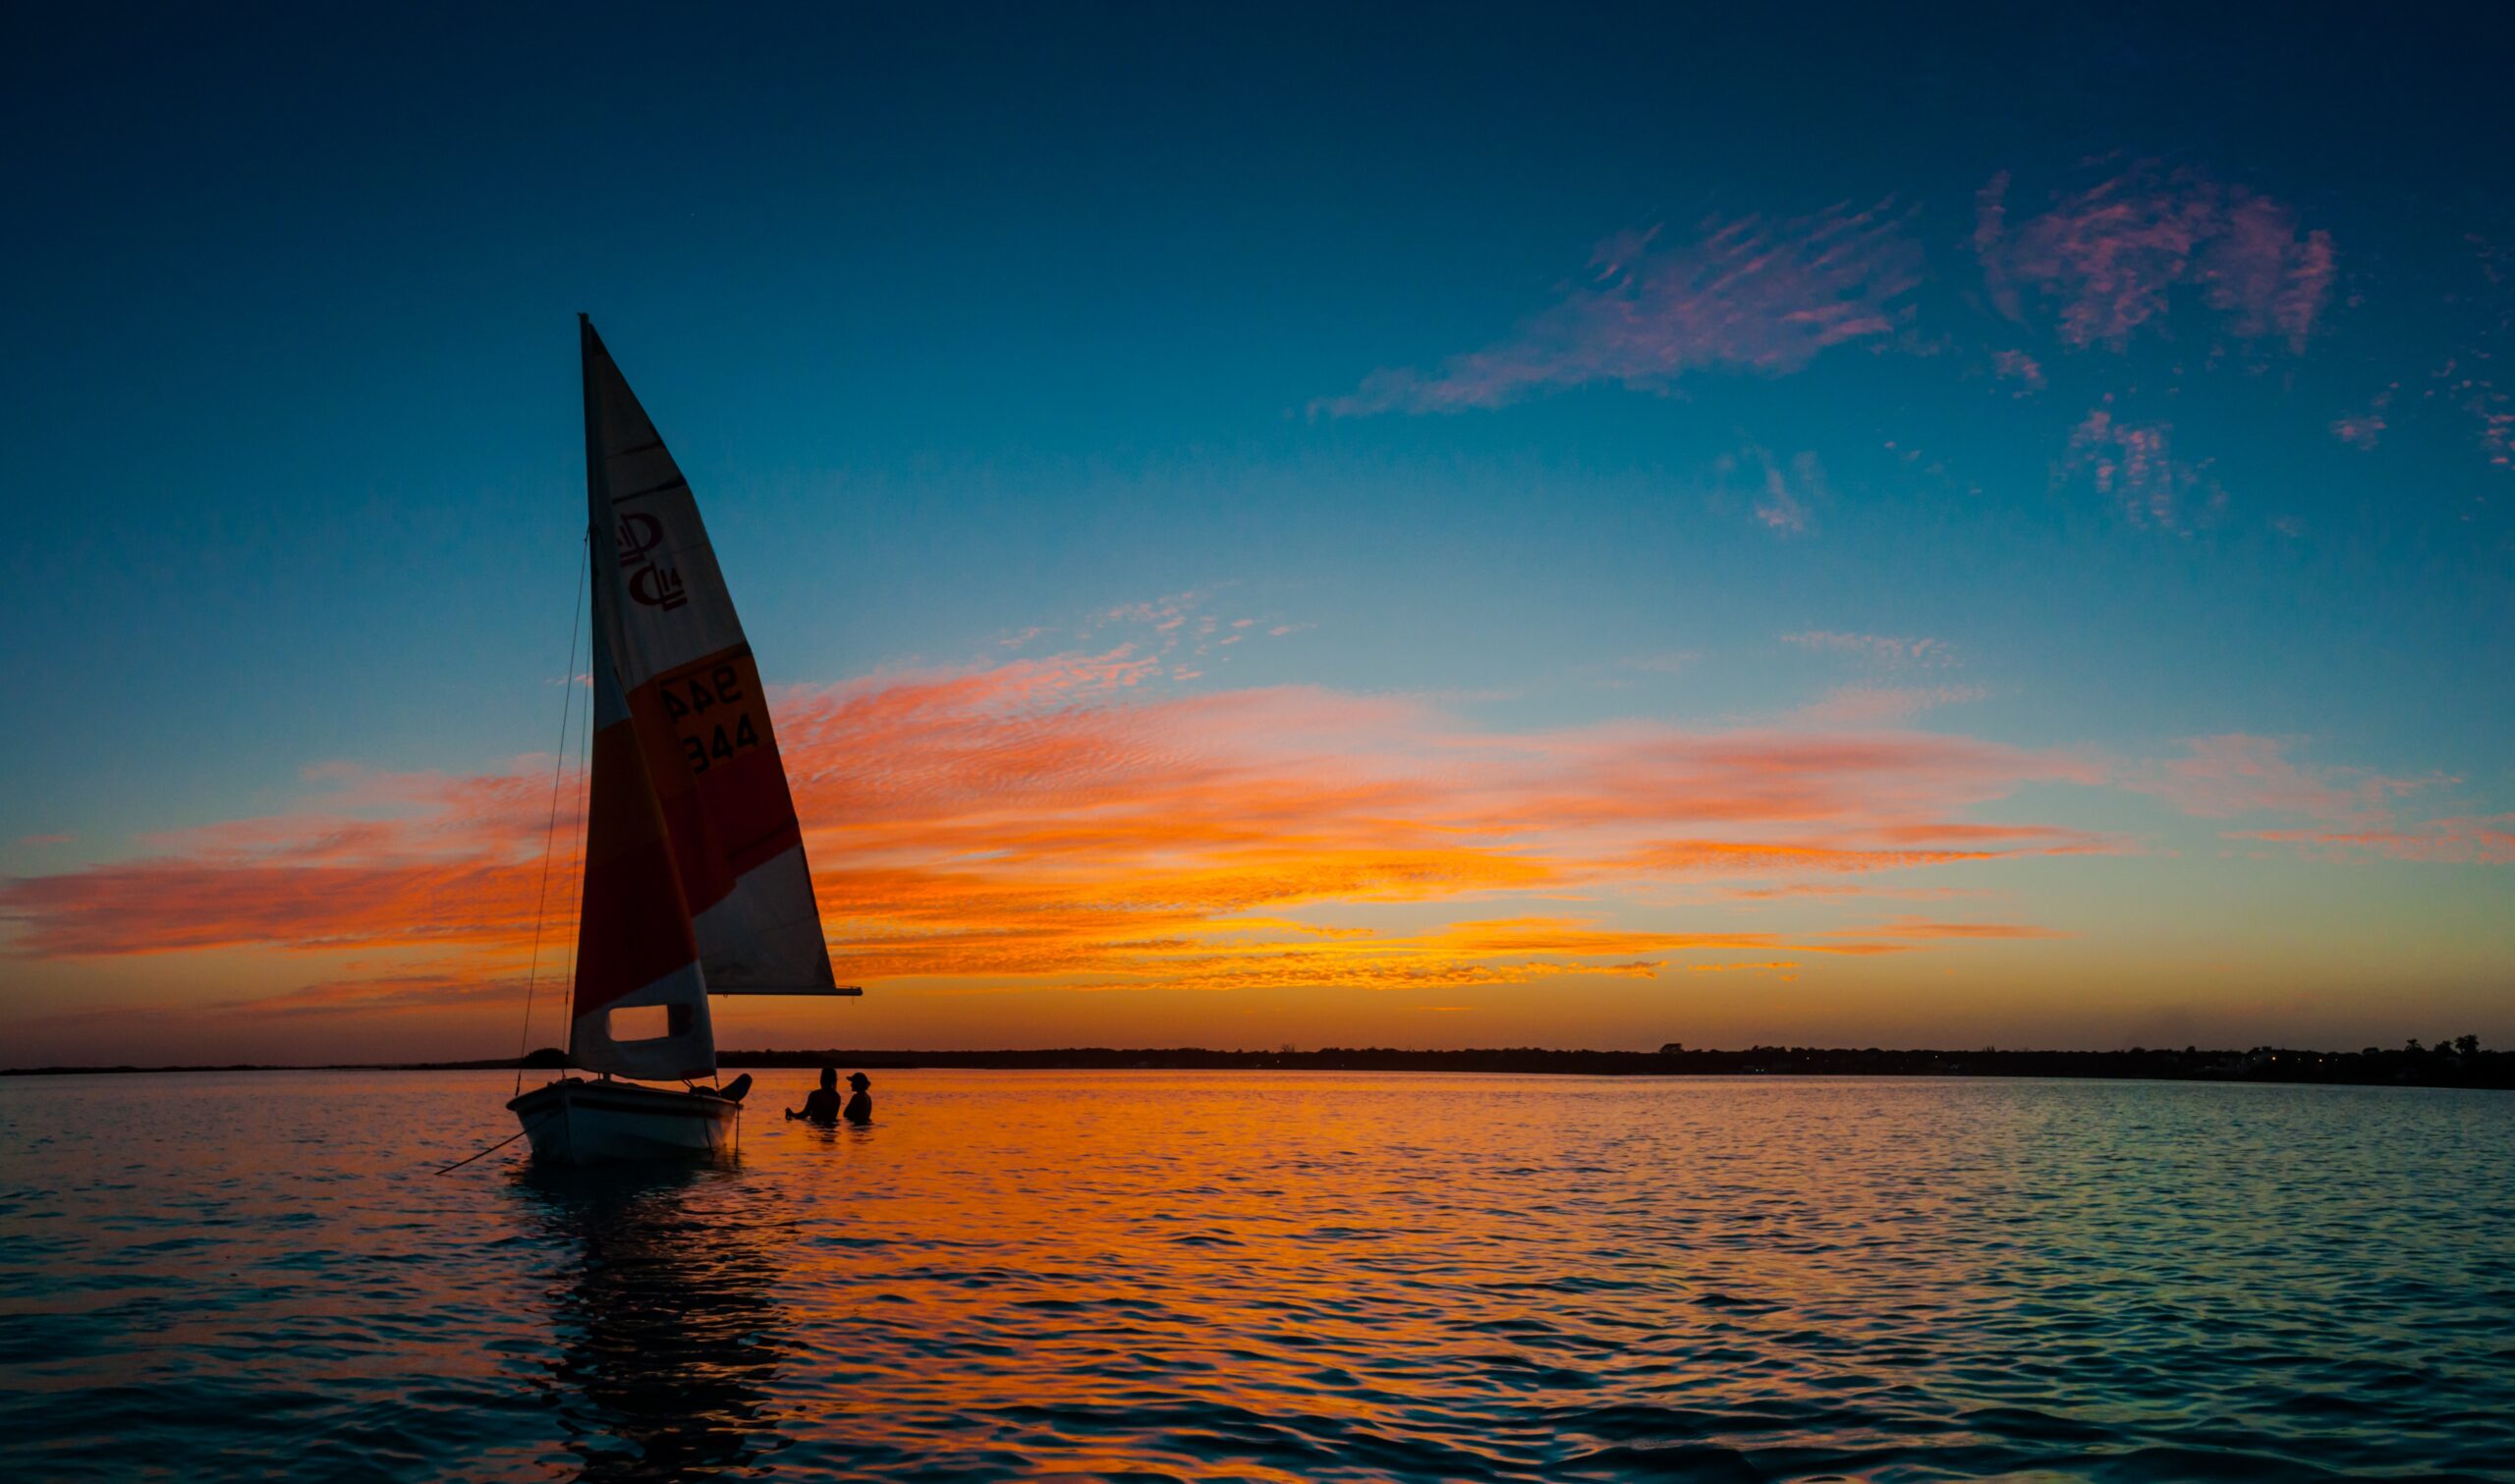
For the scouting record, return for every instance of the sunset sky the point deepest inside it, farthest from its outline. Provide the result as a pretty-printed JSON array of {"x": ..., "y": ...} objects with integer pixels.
[{"x": 1458, "y": 526}]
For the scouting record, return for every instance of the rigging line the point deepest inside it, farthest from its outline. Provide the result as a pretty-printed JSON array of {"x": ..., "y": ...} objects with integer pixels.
[
  {"x": 585, "y": 822},
  {"x": 500, "y": 1144},
  {"x": 549, "y": 832}
]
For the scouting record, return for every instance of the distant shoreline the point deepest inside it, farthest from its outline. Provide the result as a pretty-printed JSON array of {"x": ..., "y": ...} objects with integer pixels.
[{"x": 2438, "y": 1066}]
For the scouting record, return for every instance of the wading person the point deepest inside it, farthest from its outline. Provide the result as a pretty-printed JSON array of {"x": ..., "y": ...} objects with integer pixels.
[
  {"x": 860, "y": 1107},
  {"x": 823, "y": 1105}
]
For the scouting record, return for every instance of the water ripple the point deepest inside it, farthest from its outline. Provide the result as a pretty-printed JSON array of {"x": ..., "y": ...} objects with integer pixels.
[{"x": 1172, "y": 1275}]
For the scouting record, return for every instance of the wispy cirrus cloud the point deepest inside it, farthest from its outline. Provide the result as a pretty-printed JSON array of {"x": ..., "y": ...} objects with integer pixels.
[
  {"x": 2462, "y": 839},
  {"x": 2352, "y": 814},
  {"x": 1750, "y": 295},
  {"x": 1877, "y": 649},
  {"x": 1780, "y": 495},
  {"x": 2484, "y": 303},
  {"x": 2107, "y": 261},
  {"x": 2226, "y": 776},
  {"x": 1783, "y": 505}
]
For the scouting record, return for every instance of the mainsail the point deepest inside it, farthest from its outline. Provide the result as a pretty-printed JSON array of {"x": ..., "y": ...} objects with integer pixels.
[{"x": 694, "y": 874}]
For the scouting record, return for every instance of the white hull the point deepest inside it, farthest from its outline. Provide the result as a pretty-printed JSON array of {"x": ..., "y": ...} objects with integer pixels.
[{"x": 580, "y": 1122}]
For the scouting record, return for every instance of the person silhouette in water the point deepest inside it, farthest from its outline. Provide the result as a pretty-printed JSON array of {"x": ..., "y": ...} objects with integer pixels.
[
  {"x": 860, "y": 1106},
  {"x": 821, "y": 1106}
]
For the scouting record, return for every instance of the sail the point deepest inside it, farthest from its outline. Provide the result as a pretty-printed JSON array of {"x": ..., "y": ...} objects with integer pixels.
[{"x": 683, "y": 735}]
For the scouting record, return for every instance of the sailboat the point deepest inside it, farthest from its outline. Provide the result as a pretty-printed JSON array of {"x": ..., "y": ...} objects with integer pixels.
[{"x": 694, "y": 878}]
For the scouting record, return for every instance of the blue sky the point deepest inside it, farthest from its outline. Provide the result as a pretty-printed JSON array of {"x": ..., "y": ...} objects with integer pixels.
[{"x": 971, "y": 323}]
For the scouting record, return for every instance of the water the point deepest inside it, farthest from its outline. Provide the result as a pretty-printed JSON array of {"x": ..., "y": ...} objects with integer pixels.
[{"x": 1231, "y": 1276}]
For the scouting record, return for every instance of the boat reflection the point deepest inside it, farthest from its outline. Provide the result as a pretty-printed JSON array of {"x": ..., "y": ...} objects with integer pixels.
[{"x": 669, "y": 1330}]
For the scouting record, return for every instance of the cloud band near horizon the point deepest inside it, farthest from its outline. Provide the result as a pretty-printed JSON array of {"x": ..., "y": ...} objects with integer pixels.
[{"x": 1061, "y": 821}]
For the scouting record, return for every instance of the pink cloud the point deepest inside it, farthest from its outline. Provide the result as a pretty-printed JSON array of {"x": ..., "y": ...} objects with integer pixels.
[
  {"x": 2133, "y": 465},
  {"x": 2491, "y": 409},
  {"x": 2016, "y": 365},
  {"x": 2467, "y": 378},
  {"x": 2109, "y": 259},
  {"x": 1742, "y": 296},
  {"x": 2263, "y": 273},
  {"x": 2361, "y": 430},
  {"x": 2356, "y": 812},
  {"x": 2221, "y": 776},
  {"x": 2464, "y": 839}
]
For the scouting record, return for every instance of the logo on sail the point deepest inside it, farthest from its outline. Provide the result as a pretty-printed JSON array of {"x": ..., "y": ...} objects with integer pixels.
[
  {"x": 639, "y": 533},
  {"x": 653, "y": 585},
  {"x": 657, "y": 588}
]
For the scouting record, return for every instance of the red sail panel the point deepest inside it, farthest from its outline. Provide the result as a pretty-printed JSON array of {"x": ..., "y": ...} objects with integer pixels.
[
  {"x": 701, "y": 721},
  {"x": 636, "y": 947}
]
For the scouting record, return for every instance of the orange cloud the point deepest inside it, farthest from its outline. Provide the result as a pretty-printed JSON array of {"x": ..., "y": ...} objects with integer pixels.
[{"x": 1065, "y": 821}]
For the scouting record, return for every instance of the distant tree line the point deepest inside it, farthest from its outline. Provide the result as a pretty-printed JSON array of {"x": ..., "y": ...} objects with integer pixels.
[{"x": 2458, "y": 1063}]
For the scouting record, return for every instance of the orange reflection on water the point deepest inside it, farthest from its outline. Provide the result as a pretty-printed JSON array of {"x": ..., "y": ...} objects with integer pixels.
[{"x": 1216, "y": 1276}]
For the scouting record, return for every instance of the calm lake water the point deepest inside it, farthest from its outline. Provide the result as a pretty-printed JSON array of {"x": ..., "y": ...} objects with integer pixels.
[{"x": 1231, "y": 1276}]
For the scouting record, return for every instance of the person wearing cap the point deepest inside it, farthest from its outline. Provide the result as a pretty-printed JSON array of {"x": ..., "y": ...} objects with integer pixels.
[
  {"x": 823, "y": 1105},
  {"x": 860, "y": 1107}
]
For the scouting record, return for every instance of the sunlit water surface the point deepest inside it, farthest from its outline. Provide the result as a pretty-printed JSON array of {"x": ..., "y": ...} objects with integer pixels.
[{"x": 1236, "y": 1275}]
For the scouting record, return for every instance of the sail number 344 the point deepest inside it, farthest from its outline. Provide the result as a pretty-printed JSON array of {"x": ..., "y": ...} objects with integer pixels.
[{"x": 692, "y": 699}]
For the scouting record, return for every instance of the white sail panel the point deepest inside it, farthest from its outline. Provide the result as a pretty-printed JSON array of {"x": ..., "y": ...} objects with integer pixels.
[{"x": 673, "y": 607}]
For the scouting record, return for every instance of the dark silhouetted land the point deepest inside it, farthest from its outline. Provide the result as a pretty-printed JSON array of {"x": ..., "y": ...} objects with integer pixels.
[{"x": 2460, "y": 1063}]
